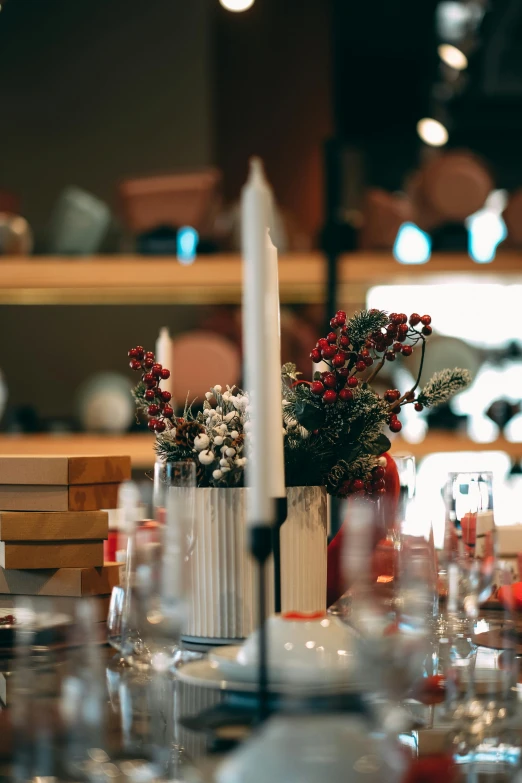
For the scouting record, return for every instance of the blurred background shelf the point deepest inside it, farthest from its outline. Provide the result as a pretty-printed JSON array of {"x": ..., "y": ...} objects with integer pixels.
[
  {"x": 140, "y": 445},
  {"x": 217, "y": 279},
  {"x": 440, "y": 441}
]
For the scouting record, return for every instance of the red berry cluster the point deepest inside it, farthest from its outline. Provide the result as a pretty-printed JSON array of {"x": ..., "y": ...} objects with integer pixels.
[
  {"x": 159, "y": 410},
  {"x": 347, "y": 360},
  {"x": 374, "y": 486}
]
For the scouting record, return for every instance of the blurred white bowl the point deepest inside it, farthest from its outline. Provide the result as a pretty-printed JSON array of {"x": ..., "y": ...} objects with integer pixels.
[{"x": 313, "y": 650}]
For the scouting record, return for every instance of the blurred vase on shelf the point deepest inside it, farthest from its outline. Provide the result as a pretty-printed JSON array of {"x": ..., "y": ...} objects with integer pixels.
[
  {"x": 79, "y": 223},
  {"x": 16, "y": 237},
  {"x": 104, "y": 403}
]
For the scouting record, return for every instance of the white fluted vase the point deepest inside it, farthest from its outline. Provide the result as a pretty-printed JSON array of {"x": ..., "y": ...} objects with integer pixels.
[{"x": 223, "y": 584}]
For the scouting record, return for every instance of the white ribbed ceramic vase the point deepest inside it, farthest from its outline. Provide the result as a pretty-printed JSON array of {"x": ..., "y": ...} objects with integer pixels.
[{"x": 222, "y": 573}]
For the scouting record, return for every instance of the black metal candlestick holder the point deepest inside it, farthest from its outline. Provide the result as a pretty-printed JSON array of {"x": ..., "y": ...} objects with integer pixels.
[
  {"x": 281, "y": 513},
  {"x": 261, "y": 548}
]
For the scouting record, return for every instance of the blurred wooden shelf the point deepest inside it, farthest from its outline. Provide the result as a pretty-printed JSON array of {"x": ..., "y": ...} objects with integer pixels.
[
  {"x": 217, "y": 279},
  {"x": 440, "y": 441},
  {"x": 140, "y": 445}
]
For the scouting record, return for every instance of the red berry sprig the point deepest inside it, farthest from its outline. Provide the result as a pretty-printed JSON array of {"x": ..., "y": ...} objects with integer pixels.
[
  {"x": 159, "y": 412},
  {"x": 375, "y": 485},
  {"x": 348, "y": 361}
]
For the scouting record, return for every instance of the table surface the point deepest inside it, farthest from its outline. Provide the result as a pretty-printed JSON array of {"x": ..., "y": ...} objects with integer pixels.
[{"x": 191, "y": 700}]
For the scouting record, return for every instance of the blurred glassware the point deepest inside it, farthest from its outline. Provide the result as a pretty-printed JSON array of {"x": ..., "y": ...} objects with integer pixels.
[
  {"x": 115, "y": 617},
  {"x": 83, "y": 698},
  {"x": 16, "y": 237},
  {"x": 407, "y": 479},
  {"x": 470, "y": 534},
  {"x": 312, "y": 749},
  {"x": 482, "y": 705},
  {"x": 392, "y": 606},
  {"x": 156, "y": 587}
]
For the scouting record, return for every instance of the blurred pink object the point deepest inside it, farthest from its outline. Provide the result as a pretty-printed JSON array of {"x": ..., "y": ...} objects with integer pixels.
[
  {"x": 171, "y": 200},
  {"x": 201, "y": 360}
]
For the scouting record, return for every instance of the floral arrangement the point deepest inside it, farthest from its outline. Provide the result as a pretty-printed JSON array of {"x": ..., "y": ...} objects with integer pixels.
[{"x": 333, "y": 425}]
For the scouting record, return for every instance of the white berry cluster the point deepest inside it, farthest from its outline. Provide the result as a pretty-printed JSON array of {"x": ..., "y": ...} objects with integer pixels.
[{"x": 221, "y": 446}]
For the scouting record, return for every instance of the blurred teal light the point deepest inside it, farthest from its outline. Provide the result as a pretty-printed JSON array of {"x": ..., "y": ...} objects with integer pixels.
[
  {"x": 187, "y": 244},
  {"x": 486, "y": 230},
  {"x": 412, "y": 245}
]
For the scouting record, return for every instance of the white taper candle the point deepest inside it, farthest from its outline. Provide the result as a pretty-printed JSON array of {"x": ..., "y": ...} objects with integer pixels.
[
  {"x": 254, "y": 222},
  {"x": 164, "y": 357},
  {"x": 273, "y": 319}
]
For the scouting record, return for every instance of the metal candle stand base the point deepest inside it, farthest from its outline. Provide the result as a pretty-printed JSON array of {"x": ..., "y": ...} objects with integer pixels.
[{"x": 261, "y": 549}]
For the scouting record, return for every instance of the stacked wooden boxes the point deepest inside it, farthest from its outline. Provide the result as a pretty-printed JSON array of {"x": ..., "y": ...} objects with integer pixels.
[{"x": 52, "y": 527}]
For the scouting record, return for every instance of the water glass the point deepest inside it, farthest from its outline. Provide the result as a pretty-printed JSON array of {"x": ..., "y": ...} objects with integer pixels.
[
  {"x": 407, "y": 480},
  {"x": 470, "y": 534},
  {"x": 114, "y": 617}
]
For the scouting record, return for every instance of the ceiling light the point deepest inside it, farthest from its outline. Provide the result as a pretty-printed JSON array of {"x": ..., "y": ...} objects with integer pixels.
[
  {"x": 453, "y": 57},
  {"x": 237, "y": 5},
  {"x": 432, "y": 132}
]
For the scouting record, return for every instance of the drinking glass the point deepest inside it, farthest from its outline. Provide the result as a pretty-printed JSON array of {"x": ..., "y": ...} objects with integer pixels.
[
  {"x": 407, "y": 479},
  {"x": 392, "y": 604},
  {"x": 156, "y": 593},
  {"x": 114, "y": 617},
  {"x": 470, "y": 534}
]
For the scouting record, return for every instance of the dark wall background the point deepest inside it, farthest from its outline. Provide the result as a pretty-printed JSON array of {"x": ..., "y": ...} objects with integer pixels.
[
  {"x": 92, "y": 91},
  {"x": 273, "y": 98}
]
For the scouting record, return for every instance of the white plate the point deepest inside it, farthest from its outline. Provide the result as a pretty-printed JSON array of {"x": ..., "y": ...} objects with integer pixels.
[
  {"x": 205, "y": 674},
  {"x": 225, "y": 659}
]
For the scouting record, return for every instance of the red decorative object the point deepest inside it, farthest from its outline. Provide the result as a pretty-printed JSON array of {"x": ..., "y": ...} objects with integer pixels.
[
  {"x": 503, "y": 594},
  {"x": 336, "y": 584},
  {"x": 304, "y": 617},
  {"x": 432, "y": 769}
]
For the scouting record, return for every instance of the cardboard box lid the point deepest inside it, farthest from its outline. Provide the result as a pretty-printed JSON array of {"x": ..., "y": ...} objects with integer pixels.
[
  {"x": 63, "y": 470},
  {"x": 53, "y": 525}
]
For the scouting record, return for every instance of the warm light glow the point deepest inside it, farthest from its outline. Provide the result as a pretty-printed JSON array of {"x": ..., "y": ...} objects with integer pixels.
[
  {"x": 237, "y": 5},
  {"x": 432, "y": 132},
  {"x": 453, "y": 57},
  {"x": 444, "y": 302}
]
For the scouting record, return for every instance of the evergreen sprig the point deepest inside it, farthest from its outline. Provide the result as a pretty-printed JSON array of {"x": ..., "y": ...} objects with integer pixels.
[
  {"x": 443, "y": 385},
  {"x": 363, "y": 323},
  {"x": 139, "y": 397},
  {"x": 358, "y": 468}
]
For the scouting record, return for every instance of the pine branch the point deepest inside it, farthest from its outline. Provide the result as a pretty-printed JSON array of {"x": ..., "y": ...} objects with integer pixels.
[
  {"x": 289, "y": 372},
  {"x": 359, "y": 468},
  {"x": 139, "y": 396},
  {"x": 363, "y": 323},
  {"x": 444, "y": 385}
]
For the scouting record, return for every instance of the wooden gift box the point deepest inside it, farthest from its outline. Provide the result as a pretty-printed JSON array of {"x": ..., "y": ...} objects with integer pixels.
[{"x": 57, "y": 483}]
